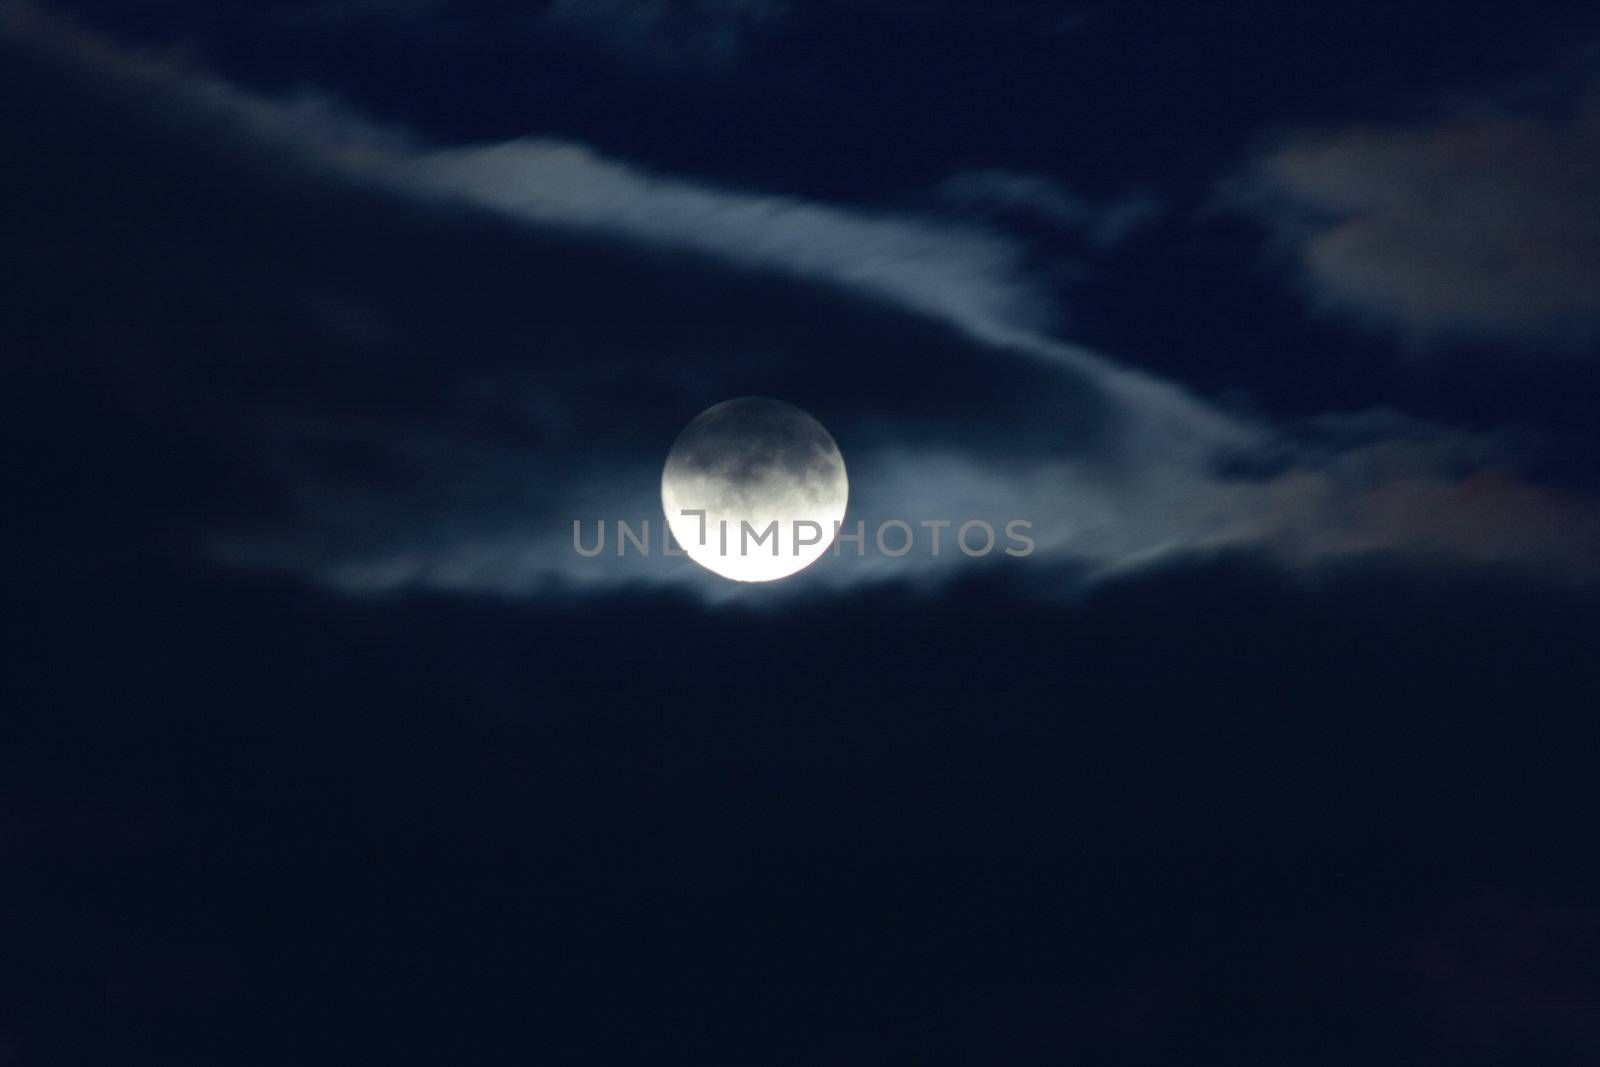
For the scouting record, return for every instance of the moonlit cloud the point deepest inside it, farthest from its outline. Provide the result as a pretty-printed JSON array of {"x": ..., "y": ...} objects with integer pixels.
[
  {"x": 1480, "y": 223},
  {"x": 973, "y": 279},
  {"x": 966, "y": 275}
]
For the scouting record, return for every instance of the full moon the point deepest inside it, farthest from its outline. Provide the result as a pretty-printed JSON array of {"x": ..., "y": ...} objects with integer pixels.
[{"x": 746, "y": 464}]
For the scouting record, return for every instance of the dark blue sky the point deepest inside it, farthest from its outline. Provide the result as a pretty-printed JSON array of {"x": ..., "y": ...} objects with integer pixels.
[{"x": 323, "y": 320}]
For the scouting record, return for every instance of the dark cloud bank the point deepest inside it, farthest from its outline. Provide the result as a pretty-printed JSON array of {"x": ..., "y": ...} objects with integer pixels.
[{"x": 1221, "y": 816}]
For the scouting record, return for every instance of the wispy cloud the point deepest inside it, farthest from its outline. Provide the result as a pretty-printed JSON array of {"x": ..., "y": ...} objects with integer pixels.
[
  {"x": 1485, "y": 222},
  {"x": 969, "y": 276},
  {"x": 1155, "y": 487}
]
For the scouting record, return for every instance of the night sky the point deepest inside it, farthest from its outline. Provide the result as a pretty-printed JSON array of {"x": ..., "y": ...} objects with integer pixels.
[{"x": 323, "y": 321}]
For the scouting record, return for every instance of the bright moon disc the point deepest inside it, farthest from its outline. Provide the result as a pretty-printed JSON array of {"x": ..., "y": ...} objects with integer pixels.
[{"x": 748, "y": 464}]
